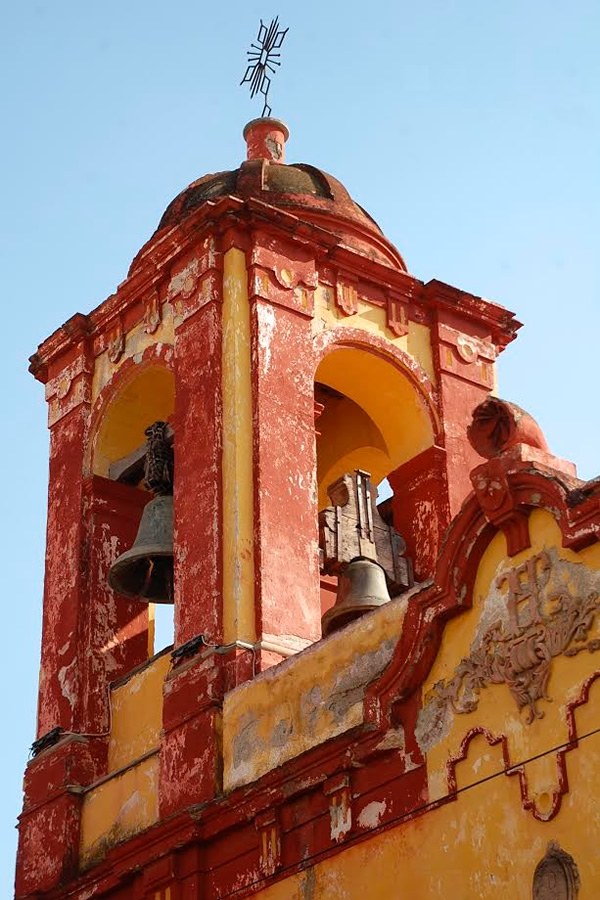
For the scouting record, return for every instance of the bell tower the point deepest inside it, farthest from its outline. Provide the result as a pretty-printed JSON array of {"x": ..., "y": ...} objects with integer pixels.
[{"x": 267, "y": 344}]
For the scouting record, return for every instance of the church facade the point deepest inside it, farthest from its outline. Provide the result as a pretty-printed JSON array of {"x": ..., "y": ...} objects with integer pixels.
[{"x": 365, "y": 697}]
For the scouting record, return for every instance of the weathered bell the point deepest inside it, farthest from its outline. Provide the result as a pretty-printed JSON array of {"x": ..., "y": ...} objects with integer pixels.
[
  {"x": 146, "y": 570},
  {"x": 361, "y": 587}
]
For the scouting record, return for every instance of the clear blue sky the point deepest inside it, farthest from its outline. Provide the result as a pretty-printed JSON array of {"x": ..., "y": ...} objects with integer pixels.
[{"x": 470, "y": 131}]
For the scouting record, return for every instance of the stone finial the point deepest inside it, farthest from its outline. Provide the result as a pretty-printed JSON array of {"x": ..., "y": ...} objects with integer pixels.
[{"x": 265, "y": 139}]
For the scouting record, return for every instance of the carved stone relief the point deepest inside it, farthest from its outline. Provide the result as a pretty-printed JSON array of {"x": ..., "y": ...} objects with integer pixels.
[
  {"x": 556, "y": 876},
  {"x": 346, "y": 298},
  {"x": 152, "y": 312},
  {"x": 541, "y": 609},
  {"x": 116, "y": 342}
]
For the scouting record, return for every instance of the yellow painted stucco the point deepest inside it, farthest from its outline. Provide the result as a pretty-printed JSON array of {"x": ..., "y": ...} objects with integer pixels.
[
  {"x": 307, "y": 699},
  {"x": 136, "y": 342},
  {"x": 483, "y": 846},
  {"x": 151, "y": 629},
  {"x": 118, "y": 808},
  {"x": 163, "y": 894},
  {"x": 127, "y": 801},
  {"x": 137, "y": 714},
  {"x": 238, "y": 513},
  {"x": 417, "y": 342},
  {"x": 497, "y": 710},
  {"x": 147, "y": 396},
  {"x": 377, "y": 440},
  {"x": 485, "y": 843}
]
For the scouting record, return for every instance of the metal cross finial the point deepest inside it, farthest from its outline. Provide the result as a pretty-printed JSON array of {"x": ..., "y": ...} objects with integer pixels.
[{"x": 261, "y": 57}]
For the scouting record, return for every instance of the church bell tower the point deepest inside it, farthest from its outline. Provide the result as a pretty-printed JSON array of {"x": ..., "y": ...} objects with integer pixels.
[{"x": 267, "y": 366}]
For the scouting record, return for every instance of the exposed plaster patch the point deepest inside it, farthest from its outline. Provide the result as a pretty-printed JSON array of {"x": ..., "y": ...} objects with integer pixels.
[
  {"x": 244, "y": 744},
  {"x": 340, "y": 817},
  {"x": 184, "y": 280},
  {"x": 67, "y": 676},
  {"x": 310, "y": 705},
  {"x": 88, "y": 893},
  {"x": 477, "y": 763},
  {"x": 392, "y": 740},
  {"x": 308, "y": 886},
  {"x": 370, "y": 816},
  {"x": 266, "y": 329},
  {"x": 282, "y": 731},
  {"x": 274, "y": 147},
  {"x": 350, "y": 684},
  {"x": 433, "y": 725},
  {"x": 131, "y": 803}
]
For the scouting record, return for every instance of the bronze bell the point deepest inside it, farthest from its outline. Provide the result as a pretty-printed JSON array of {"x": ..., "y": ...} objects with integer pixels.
[
  {"x": 146, "y": 570},
  {"x": 361, "y": 587}
]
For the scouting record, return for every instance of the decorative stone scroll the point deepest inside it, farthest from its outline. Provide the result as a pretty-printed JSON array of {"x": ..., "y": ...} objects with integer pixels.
[
  {"x": 195, "y": 281},
  {"x": 152, "y": 312},
  {"x": 346, "y": 298},
  {"x": 541, "y": 618},
  {"x": 69, "y": 389},
  {"x": 465, "y": 355},
  {"x": 116, "y": 342},
  {"x": 397, "y": 317}
]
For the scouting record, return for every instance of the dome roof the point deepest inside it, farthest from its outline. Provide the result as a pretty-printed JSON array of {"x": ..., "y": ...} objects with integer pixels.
[
  {"x": 297, "y": 185},
  {"x": 299, "y": 188}
]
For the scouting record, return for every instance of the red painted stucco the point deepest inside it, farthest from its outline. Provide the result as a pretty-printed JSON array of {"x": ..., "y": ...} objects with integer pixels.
[{"x": 206, "y": 843}]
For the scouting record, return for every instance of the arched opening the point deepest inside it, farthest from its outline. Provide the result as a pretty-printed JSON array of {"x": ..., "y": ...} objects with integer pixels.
[
  {"x": 145, "y": 397},
  {"x": 117, "y": 455},
  {"x": 371, "y": 417}
]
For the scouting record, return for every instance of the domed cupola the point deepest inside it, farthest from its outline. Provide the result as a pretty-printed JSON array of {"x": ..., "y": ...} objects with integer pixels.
[{"x": 302, "y": 189}]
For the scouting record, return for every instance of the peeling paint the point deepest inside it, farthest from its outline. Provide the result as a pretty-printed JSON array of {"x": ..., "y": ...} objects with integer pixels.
[
  {"x": 266, "y": 329},
  {"x": 340, "y": 816},
  {"x": 372, "y": 813},
  {"x": 67, "y": 678},
  {"x": 308, "y": 698}
]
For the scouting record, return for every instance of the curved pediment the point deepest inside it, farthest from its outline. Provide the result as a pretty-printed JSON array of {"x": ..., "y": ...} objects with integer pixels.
[{"x": 501, "y": 648}]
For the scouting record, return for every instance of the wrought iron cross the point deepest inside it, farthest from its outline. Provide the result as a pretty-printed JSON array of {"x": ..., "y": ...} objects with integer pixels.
[{"x": 262, "y": 59}]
